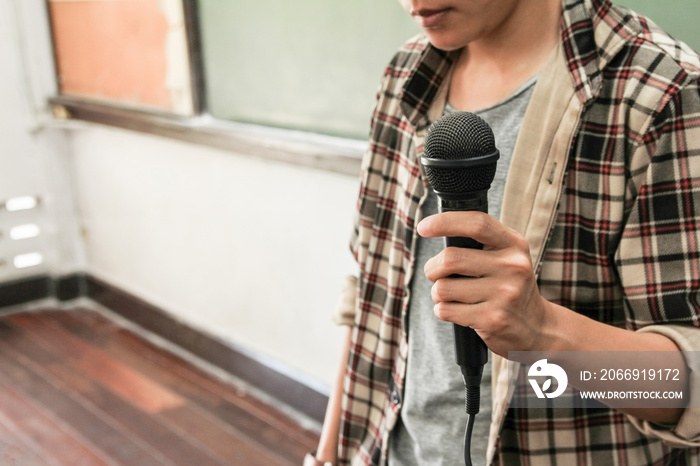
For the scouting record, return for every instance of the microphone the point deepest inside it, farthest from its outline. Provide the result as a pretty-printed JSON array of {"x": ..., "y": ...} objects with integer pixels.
[{"x": 459, "y": 161}]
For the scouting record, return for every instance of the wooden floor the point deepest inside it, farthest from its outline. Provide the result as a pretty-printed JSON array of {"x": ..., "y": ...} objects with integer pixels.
[{"x": 76, "y": 389}]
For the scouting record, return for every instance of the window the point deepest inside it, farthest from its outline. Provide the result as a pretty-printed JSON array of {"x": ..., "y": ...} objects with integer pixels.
[
  {"x": 312, "y": 65},
  {"x": 133, "y": 53},
  {"x": 292, "y": 81}
]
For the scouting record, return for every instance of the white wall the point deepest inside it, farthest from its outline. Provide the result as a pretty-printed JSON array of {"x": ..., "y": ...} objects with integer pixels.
[
  {"x": 248, "y": 250},
  {"x": 33, "y": 158}
]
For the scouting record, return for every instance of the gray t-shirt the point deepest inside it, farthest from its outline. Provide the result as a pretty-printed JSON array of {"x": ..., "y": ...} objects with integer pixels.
[{"x": 430, "y": 430}]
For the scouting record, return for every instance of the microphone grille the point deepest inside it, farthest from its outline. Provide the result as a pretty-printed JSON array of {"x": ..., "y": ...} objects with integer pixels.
[{"x": 460, "y": 136}]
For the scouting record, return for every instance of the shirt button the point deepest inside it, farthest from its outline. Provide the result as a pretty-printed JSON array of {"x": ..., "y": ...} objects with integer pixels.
[{"x": 395, "y": 397}]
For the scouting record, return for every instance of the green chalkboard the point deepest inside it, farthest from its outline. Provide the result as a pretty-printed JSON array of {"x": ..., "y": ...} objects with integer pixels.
[
  {"x": 312, "y": 65},
  {"x": 677, "y": 17}
]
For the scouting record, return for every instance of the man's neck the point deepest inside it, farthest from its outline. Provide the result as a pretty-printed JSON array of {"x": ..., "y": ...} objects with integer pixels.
[{"x": 493, "y": 67}]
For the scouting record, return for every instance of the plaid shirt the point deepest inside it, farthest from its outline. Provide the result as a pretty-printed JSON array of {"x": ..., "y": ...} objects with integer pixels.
[{"x": 604, "y": 184}]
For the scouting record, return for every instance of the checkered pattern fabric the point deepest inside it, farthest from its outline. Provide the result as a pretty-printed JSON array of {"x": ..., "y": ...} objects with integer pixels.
[{"x": 623, "y": 247}]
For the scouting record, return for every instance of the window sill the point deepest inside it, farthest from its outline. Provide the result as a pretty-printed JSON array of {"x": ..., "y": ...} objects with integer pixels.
[{"x": 335, "y": 154}]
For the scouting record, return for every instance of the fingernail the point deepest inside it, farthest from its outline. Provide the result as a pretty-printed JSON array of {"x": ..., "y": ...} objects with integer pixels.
[{"x": 423, "y": 224}]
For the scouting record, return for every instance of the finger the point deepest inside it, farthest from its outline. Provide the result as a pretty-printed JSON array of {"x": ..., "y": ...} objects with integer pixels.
[
  {"x": 482, "y": 316},
  {"x": 454, "y": 312},
  {"x": 476, "y": 316},
  {"x": 459, "y": 261},
  {"x": 457, "y": 289},
  {"x": 477, "y": 225}
]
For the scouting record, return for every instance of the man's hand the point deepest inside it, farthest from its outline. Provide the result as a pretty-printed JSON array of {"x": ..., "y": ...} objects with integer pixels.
[
  {"x": 496, "y": 294},
  {"x": 496, "y": 291}
]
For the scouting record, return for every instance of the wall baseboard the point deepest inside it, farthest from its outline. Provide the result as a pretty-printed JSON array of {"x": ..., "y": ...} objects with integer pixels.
[
  {"x": 29, "y": 289},
  {"x": 25, "y": 290},
  {"x": 278, "y": 384},
  {"x": 70, "y": 287}
]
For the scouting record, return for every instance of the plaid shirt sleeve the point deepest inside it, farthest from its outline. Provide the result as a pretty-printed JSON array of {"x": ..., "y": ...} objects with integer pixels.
[
  {"x": 659, "y": 252},
  {"x": 660, "y": 245},
  {"x": 345, "y": 308}
]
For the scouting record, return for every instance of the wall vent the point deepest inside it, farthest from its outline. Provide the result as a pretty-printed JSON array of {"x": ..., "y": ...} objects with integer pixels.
[{"x": 21, "y": 241}]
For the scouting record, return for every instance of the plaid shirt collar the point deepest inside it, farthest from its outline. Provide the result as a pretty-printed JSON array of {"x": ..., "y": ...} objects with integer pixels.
[{"x": 431, "y": 69}]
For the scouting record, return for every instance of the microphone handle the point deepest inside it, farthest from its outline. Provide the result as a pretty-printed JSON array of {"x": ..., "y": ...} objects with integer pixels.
[{"x": 471, "y": 353}]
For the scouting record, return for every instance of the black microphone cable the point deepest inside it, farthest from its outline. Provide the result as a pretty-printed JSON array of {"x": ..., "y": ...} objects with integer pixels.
[
  {"x": 468, "y": 439},
  {"x": 472, "y": 396}
]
